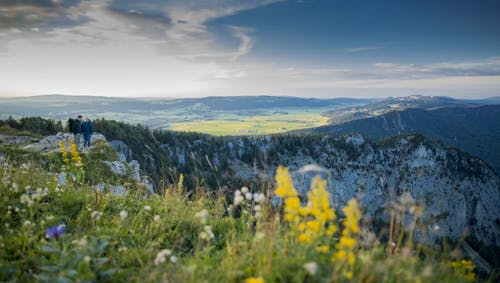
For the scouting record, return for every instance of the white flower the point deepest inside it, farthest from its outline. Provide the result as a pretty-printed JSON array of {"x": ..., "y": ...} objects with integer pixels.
[
  {"x": 156, "y": 218},
  {"x": 96, "y": 215},
  {"x": 25, "y": 198},
  {"x": 147, "y": 208},
  {"x": 311, "y": 267},
  {"x": 259, "y": 197},
  {"x": 27, "y": 222},
  {"x": 238, "y": 199},
  {"x": 123, "y": 214},
  {"x": 237, "y": 193},
  {"x": 160, "y": 257},
  {"x": 173, "y": 259},
  {"x": 257, "y": 208},
  {"x": 248, "y": 196},
  {"x": 244, "y": 190},
  {"x": 49, "y": 217},
  {"x": 203, "y": 216},
  {"x": 207, "y": 234},
  {"x": 86, "y": 258}
]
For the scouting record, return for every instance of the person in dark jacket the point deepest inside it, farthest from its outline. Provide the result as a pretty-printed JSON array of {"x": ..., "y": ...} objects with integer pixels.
[
  {"x": 70, "y": 125},
  {"x": 87, "y": 132},
  {"x": 77, "y": 129}
]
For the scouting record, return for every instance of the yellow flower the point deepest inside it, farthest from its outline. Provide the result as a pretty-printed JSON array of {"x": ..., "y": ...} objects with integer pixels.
[
  {"x": 285, "y": 185},
  {"x": 254, "y": 280},
  {"x": 304, "y": 238},
  {"x": 313, "y": 225},
  {"x": 346, "y": 242},
  {"x": 323, "y": 249}
]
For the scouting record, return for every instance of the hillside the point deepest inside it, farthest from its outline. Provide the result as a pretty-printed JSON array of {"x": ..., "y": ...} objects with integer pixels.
[
  {"x": 339, "y": 116},
  {"x": 454, "y": 193},
  {"x": 474, "y": 129}
]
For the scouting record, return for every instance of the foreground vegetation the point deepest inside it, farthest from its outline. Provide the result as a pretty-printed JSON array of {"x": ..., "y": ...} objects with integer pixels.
[{"x": 76, "y": 232}]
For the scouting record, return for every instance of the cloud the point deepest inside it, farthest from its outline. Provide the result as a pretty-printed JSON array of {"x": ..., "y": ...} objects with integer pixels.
[
  {"x": 21, "y": 14},
  {"x": 485, "y": 67},
  {"x": 363, "y": 49}
]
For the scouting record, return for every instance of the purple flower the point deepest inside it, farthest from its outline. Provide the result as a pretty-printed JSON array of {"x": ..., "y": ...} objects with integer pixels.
[{"x": 55, "y": 231}]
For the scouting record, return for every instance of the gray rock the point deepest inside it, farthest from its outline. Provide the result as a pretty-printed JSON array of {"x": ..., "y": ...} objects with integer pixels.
[
  {"x": 117, "y": 167},
  {"x": 61, "y": 179},
  {"x": 135, "y": 168},
  {"x": 117, "y": 190},
  {"x": 122, "y": 148}
]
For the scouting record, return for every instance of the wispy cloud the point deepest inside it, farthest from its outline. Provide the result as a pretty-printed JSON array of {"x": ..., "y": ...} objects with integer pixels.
[
  {"x": 363, "y": 49},
  {"x": 485, "y": 67}
]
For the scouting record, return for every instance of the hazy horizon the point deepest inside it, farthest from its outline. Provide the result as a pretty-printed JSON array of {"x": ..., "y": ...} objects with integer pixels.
[{"x": 300, "y": 48}]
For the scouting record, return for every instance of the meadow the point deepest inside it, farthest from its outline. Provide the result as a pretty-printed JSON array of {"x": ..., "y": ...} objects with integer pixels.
[{"x": 70, "y": 232}]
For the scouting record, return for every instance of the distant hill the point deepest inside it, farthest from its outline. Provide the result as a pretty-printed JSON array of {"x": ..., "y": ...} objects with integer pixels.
[
  {"x": 474, "y": 129},
  {"x": 338, "y": 116},
  {"x": 53, "y": 106}
]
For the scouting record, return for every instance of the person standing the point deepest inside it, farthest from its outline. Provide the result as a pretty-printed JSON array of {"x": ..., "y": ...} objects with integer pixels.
[
  {"x": 77, "y": 129},
  {"x": 70, "y": 125},
  {"x": 87, "y": 132}
]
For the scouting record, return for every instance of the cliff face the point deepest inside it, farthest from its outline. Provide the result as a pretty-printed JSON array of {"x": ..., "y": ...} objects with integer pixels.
[{"x": 459, "y": 193}]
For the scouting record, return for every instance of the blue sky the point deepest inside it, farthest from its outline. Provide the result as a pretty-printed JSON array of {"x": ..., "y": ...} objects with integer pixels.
[{"x": 310, "y": 48}]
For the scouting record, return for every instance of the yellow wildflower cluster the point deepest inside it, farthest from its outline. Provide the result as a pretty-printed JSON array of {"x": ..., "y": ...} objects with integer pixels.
[
  {"x": 347, "y": 241},
  {"x": 64, "y": 153},
  {"x": 75, "y": 156},
  {"x": 254, "y": 280},
  {"x": 466, "y": 267},
  {"x": 316, "y": 218},
  {"x": 72, "y": 161}
]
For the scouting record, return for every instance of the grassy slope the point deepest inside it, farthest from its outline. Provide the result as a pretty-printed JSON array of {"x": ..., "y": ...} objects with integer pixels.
[{"x": 100, "y": 244}]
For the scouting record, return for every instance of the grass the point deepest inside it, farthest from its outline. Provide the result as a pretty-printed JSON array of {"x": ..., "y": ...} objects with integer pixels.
[
  {"x": 252, "y": 125},
  {"x": 180, "y": 236}
]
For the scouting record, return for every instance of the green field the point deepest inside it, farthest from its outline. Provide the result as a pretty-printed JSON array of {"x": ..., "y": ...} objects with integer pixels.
[{"x": 253, "y": 125}]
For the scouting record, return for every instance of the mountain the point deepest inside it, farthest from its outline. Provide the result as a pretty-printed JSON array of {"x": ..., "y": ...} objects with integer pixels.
[
  {"x": 62, "y": 106},
  {"x": 474, "y": 129},
  {"x": 458, "y": 193},
  {"x": 376, "y": 108}
]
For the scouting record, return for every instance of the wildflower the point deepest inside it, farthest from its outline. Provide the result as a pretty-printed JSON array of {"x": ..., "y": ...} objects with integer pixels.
[
  {"x": 25, "y": 198},
  {"x": 259, "y": 197},
  {"x": 323, "y": 249},
  {"x": 147, "y": 208},
  {"x": 347, "y": 241},
  {"x": 27, "y": 223},
  {"x": 55, "y": 231},
  {"x": 238, "y": 199},
  {"x": 203, "y": 216},
  {"x": 96, "y": 215},
  {"x": 244, "y": 190},
  {"x": 87, "y": 258},
  {"x": 173, "y": 259},
  {"x": 311, "y": 267},
  {"x": 207, "y": 234},
  {"x": 123, "y": 214},
  {"x": 156, "y": 218},
  {"x": 465, "y": 267},
  {"x": 160, "y": 257},
  {"x": 49, "y": 217},
  {"x": 257, "y": 208},
  {"x": 248, "y": 196},
  {"x": 254, "y": 280}
]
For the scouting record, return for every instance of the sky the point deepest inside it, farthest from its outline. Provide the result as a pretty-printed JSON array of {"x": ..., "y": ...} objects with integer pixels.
[{"x": 197, "y": 48}]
